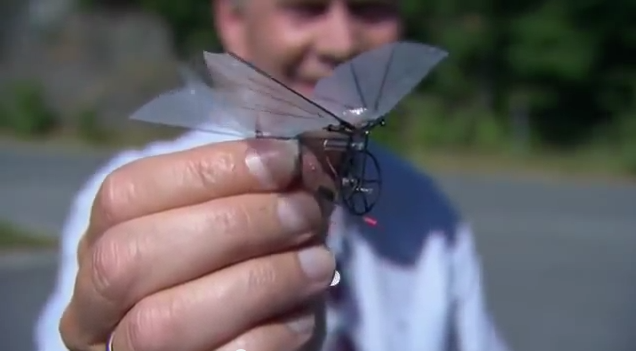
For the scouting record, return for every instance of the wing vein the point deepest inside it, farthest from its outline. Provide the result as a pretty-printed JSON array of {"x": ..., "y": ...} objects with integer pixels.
[
  {"x": 277, "y": 98},
  {"x": 384, "y": 78},
  {"x": 279, "y": 83},
  {"x": 356, "y": 83}
]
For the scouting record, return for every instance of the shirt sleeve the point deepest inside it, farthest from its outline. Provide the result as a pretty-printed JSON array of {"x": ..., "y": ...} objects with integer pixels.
[
  {"x": 473, "y": 326},
  {"x": 47, "y": 336}
]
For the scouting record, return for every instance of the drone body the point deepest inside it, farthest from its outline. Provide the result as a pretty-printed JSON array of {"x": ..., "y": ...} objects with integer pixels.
[{"x": 244, "y": 101}]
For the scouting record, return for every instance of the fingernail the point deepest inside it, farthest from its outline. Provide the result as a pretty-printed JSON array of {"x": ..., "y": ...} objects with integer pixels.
[
  {"x": 295, "y": 212},
  {"x": 303, "y": 324},
  {"x": 317, "y": 263},
  {"x": 268, "y": 160}
]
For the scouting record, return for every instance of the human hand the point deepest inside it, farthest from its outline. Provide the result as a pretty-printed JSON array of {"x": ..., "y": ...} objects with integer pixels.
[{"x": 214, "y": 248}]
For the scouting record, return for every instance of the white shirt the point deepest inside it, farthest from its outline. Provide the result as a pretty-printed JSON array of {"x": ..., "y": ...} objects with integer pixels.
[{"x": 415, "y": 275}]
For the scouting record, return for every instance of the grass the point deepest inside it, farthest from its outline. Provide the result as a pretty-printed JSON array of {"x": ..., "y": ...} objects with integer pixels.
[
  {"x": 12, "y": 237},
  {"x": 582, "y": 165}
]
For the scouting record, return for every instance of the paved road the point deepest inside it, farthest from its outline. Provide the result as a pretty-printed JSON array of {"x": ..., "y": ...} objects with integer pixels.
[
  {"x": 24, "y": 284},
  {"x": 560, "y": 262}
]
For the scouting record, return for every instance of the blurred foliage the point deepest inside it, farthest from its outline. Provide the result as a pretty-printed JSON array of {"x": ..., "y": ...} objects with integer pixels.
[
  {"x": 12, "y": 237},
  {"x": 89, "y": 127},
  {"x": 550, "y": 74},
  {"x": 24, "y": 110}
]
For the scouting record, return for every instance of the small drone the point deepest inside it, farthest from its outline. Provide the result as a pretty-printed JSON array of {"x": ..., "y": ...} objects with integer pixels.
[{"x": 244, "y": 101}]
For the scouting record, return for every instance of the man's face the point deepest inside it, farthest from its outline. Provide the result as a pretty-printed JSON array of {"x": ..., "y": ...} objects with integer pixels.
[{"x": 301, "y": 41}]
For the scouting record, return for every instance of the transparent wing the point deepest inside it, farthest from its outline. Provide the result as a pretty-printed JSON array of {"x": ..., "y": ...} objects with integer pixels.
[
  {"x": 262, "y": 103},
  {"x": 371, "y": 84},
  {"x": 193, "y": 106},
  {"x": 231, "y": 96}
]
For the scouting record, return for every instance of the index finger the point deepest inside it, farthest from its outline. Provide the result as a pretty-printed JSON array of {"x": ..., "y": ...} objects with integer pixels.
[{"x": 163, "y": 182}]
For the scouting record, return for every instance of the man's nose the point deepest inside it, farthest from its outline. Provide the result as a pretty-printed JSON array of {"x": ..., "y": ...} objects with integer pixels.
[{"x": 336, "y": 39}]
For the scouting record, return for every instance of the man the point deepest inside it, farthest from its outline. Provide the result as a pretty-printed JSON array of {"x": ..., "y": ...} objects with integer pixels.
[{"x": 180, "y": 248}]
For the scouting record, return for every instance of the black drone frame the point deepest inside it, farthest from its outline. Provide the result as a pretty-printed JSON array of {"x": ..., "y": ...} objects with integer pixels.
[{"x": 358, "y": 193}]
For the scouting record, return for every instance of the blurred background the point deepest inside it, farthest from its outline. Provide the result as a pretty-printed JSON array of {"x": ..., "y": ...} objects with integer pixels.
[{"x": 530, "y": 125}]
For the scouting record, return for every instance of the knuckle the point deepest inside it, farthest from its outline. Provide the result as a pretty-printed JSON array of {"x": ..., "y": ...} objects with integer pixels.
[
  {"x": 223, "y": 218},
  {"x": 266, "y": 282},
  {"x": 256, "y": 214},
  {"x": 247, "y": 216},
  {"x": 149, "y": 326},
  {"x": 236, "y": 221},
  {"x": 82, "y": 248},
  {"x": 67, "y": 336},
  {"x": 220, "y": 219},
  {"x": 209, "y": 171},
  {"x": 111, "y": 197},
  {"x": 263, "y": 275},
  {"x": 112, "y": 267}
]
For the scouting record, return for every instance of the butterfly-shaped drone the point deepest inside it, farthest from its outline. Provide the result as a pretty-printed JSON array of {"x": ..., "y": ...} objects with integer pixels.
[{"x": 245, "y": 101}]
